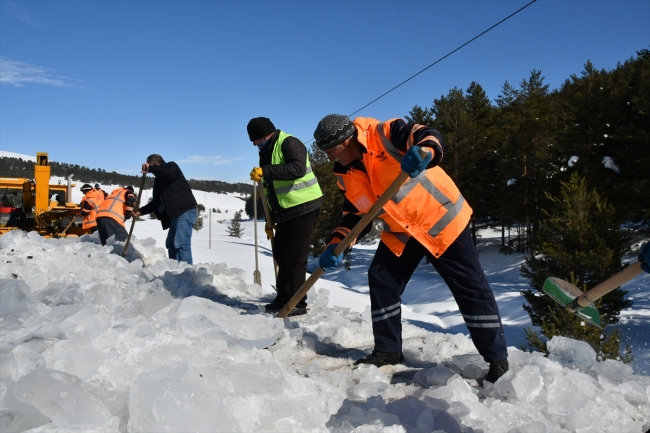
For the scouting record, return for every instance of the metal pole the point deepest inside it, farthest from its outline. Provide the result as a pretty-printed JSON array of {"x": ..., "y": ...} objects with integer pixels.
[{"x": 257, "y": 276}]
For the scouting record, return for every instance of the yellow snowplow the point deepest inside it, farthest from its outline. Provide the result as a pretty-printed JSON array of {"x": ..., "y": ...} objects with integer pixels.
[{"x": 36, "y": 205}]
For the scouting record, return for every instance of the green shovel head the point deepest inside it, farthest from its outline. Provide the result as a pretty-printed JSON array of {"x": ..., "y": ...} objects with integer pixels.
[{"x": 565, "y": 294}]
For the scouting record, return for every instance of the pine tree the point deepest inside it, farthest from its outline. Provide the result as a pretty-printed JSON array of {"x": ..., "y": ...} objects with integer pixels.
[
  {"x": 330, "y": 211},
  {"x": 250, "y": 211},
  {"x": 234, "y": 229},
  {"x": 580, "y": 242},
  {"x": 198, "y": 224}
]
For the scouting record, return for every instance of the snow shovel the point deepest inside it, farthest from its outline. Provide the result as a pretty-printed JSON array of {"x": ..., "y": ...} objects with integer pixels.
[
  {"x": 72, "y": 218},
  {"x": 367, "y": 218},
  {"x": 257, "y": 276},
  {"x": 269, "y": 223},
  {"x": 135, "y": 208},
  {"x": 581, "y": 303}
]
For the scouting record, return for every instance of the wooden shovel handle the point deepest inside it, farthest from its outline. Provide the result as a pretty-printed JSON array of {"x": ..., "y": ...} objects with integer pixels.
[
  {"x": 136, "y": 206},
  {"x": 369, "y": 216},
  {"x": 610, "y": 284},
  {"x": 72, "y": 218},
  {"x": 269, "y": 223}
]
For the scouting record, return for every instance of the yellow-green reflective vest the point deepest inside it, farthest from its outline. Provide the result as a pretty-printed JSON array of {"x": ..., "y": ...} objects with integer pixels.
[{"x": 291, "y": 193}]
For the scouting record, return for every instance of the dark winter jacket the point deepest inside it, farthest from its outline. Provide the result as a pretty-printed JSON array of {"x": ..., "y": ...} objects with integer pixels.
[
  {"x": 295, "y": 156},
  {"x": 170, "y": 188}
]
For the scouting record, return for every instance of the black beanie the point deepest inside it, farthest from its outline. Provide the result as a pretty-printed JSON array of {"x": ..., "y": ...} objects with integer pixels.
[
  {"x": 86, "y": 187},
  {"x": 333, "y": 129},
  {"x": 260, "y": 127}
]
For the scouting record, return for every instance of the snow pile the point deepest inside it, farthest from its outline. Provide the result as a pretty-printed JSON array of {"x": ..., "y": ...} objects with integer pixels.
[{"x": 91, "y": 341}]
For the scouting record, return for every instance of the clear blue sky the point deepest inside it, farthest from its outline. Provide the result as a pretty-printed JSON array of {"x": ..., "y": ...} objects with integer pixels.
[{"x": 105, "y": 83}]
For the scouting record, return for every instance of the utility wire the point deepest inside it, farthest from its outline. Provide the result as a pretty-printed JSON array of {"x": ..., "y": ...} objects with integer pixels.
[{"x": 445, "y": 56}]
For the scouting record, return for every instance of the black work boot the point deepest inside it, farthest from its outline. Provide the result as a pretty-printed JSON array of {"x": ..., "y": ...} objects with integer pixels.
[
  {"x": 275, "y": 306},
  {"x": 297, "y": 311},
  {"x": 381, "y": 358},
  {"x": 497, "y": 369}
]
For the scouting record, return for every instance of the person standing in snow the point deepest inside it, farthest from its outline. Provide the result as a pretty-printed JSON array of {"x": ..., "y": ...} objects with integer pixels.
[
  {"x": 294, "y": 198},
  {"x": 174, "y": 205},
  {"x": 90, "y": 203},
  {"x": 427, "y": 217},
  {"x": 114, "y": 210}
]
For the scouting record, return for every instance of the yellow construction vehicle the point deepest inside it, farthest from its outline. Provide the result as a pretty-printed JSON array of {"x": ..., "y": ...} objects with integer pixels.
[{"x": 36, "y": 205}]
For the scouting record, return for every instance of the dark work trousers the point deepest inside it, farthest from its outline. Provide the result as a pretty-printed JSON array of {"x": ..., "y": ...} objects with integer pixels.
[
  {"x": 459, "y": 267},
  {"x": 108, "y": 227},
  {"x": 291, "y": 251}
]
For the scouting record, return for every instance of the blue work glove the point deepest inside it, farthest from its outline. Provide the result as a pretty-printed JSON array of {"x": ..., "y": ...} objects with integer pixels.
[
  {"x": 327, "y": 260},
  {"x": 413, "y": 163},
  {"x": 644, "y": 256}
]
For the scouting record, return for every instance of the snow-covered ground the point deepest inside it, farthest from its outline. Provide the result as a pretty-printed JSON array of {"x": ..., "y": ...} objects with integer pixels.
[{"x": 90, "y": 341}]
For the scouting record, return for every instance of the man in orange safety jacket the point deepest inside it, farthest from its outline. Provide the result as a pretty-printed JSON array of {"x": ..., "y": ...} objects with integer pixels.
[
  {"x": 114, "y": 210},
  {"x": 89, "y": 206},
  {"x": 427, "y": 217}
]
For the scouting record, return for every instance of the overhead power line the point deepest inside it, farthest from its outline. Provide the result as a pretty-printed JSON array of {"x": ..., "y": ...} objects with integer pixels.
[{"x": 445, "y": 56}]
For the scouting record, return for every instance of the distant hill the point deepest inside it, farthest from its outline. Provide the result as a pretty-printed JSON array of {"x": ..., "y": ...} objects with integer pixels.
[{"x": 16, "y": 165}]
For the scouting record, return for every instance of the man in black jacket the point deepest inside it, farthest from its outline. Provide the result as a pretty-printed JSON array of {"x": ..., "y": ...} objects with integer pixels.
[
  {"x": 294, "y": 198},
  {"x": 174, "y": 205}
]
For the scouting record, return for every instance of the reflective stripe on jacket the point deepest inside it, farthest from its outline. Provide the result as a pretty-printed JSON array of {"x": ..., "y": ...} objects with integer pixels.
[
  {"x": 428, "y": 207},
  {"x": 291, "y": 193},
  {"x": 94, "y": 198},
  {"x": 114, "y": 206}
]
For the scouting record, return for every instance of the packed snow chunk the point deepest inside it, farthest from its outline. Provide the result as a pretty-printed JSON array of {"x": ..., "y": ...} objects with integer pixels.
[
  {"x": 612, "y": 369},
  {"x": 190, "y": 282},
  {"x": 154, "y": 302},
  {"x": 434, "y": 376},
  {"x": 13, "y": 293},
  {"x": 455, "y": 390},
  {"x": 593, "y": 417},
  {"x": 440, "y": 346},
  {"x": 634, "y": 393},
  {"x": 16, "y": 416},
  {"x": 409, "y": 410},
  {"x": 246, "y": 380},
  {"x": 363, "y": 391},
  {"x": 200, "y": 317},
  {"x": 571, "y": 353},
  {"x": 26, "y": 361},
  {"x": 524, "y": 385},
  {"x": 171, "y": 406},
  {"x": 77, "y": 359},
  {"x": 563, "y": 397},
  {"x": 60, "y": 396}
]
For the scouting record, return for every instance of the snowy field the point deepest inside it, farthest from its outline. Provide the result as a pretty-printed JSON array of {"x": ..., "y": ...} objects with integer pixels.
[{"x": 90, "y": 341}]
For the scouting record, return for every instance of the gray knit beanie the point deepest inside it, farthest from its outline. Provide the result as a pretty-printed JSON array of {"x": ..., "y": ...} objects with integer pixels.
[{"x": 333, "y": 129}]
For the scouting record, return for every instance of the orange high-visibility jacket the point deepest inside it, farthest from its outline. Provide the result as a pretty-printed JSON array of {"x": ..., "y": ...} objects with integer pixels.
[
  {"x": 428, "y": 207},
  {"x": 117, "y": 205},
  {"x": 94, "y": 199}
]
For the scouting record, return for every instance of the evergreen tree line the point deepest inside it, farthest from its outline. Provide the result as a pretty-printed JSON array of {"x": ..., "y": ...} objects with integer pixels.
[
  {"x": 17, "y": 167},
  {"x": 507, "y": 156}
]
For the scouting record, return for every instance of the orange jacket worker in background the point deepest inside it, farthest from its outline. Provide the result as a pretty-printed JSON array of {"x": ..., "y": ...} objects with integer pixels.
[
  {"x": 428, "y": 216},
  {"x": 89, "y": 206},
  {"x": 114, "y": 210}
]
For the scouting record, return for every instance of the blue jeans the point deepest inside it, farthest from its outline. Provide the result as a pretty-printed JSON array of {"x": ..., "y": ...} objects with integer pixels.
[{"x": 179, "y": 238}]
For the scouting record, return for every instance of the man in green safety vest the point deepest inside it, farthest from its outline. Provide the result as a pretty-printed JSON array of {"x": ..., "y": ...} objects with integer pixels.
[{"x": 294, "y": 200}]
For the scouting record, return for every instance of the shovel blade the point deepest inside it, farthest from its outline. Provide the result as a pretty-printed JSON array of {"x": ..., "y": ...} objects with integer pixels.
[
  {"x": 565, "y": 293},
  {"x": 257, "y": 277}
]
